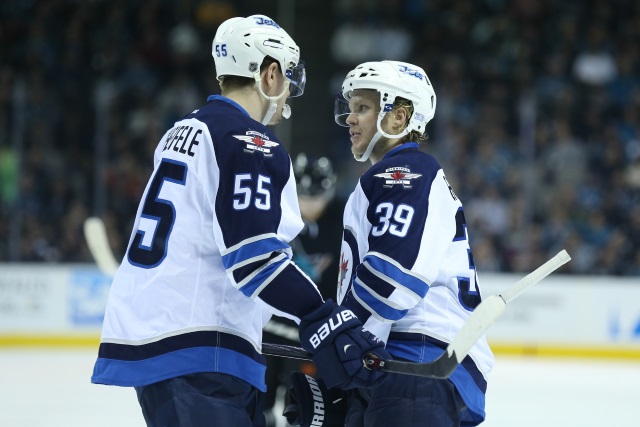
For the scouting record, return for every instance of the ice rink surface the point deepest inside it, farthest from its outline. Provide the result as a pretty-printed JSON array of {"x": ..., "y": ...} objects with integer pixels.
[{"x": 47, "y": 388}]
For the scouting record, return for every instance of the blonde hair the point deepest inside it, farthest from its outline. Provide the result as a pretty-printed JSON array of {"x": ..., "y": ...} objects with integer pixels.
[{"x": 414, "y": 136}]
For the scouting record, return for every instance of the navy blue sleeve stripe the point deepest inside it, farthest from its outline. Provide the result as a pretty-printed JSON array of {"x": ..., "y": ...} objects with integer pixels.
[
  {"x": 377, "y": 307},
  {"x": 241, "y": 273},
  {"x": 263, "y": 276},
  {"x": 252, "y": 250},
  {"x": 399, "y": 275},
  {"x": 378, "y": 283}
]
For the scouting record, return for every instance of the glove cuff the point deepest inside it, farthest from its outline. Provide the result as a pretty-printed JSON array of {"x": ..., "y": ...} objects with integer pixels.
[{"x": 320, "y": 313}]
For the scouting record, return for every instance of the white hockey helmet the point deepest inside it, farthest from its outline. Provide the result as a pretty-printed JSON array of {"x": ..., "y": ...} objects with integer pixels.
[
  {"x": 392, "y": 79},
  {"x": 241, "y": 44}
]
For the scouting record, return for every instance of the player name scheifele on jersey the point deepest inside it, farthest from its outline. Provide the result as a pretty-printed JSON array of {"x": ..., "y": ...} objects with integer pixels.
[
  {"x": 183, "y": 139},
  {"x": 398, "y": 175}
]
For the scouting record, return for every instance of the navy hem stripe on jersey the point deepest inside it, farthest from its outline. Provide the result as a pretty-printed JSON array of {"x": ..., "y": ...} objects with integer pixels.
[
  {"x": 420, "y": 348},
  {"x": 200, "y": 351},
  {"x": 136, "y": 373},
  {"x": 178, "y": 342}
]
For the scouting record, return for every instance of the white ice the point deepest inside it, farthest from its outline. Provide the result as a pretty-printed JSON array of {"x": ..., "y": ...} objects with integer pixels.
[{"x": 51, "y": 388}]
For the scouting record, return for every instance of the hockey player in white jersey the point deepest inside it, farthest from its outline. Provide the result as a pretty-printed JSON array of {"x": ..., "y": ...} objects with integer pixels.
[
  {"x": 406, "y": 268},
  {"x": 210, "y": 250}
]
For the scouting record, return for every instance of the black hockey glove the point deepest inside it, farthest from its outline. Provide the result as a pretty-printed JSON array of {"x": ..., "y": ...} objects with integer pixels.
[
  {"x": 309, "y": 403},
  {"x": 335, "y": 337}
]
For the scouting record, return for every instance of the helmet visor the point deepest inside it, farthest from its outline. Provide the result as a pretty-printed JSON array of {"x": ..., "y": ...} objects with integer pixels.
[
  {"x": 341, "y": 110},
  {"x": 298, "y": 78}
]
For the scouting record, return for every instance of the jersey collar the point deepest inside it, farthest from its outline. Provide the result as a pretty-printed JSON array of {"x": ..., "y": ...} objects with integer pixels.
[
  {"x": 404, "y": 146},
  {"x": 229, "y": 101}
]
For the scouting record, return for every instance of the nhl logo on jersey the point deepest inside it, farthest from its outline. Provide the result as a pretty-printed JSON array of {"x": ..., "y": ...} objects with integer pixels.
[
  {"x": 257, "y": 141},
  {"x": 398, "y": 176}
]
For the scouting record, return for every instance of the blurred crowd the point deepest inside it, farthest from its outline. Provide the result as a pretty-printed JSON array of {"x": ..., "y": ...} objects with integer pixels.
[
  {"x": 537, "y": 124},
  {"x": 80, "y": 77}
]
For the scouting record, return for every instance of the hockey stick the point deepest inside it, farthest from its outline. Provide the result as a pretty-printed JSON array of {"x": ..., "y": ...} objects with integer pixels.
[
  {"x": 282, "y": 330},
  {"x": 95, "y": 233},
  {"x": 476, "y": 325}
]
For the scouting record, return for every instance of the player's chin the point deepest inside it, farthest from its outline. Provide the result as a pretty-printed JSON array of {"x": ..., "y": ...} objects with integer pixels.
[{"x": 276, "y": 119}]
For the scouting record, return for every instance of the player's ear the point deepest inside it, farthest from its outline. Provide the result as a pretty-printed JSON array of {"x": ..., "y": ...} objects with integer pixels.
[
  {"x": 270, "y": 76},
  {"x": 400, "y": 119}
]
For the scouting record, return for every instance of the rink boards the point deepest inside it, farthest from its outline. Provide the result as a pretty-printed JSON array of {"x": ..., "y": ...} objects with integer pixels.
[{"x": 575, "y": 316}]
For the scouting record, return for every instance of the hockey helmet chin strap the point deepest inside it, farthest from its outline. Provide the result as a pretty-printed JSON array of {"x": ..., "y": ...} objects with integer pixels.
[
  {"x": 273, "y": 101},
  {"x": 380, "y": 133}
]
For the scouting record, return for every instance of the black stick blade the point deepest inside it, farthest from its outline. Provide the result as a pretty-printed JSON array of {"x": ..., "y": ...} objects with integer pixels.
[{"x": 440, "y": 368}]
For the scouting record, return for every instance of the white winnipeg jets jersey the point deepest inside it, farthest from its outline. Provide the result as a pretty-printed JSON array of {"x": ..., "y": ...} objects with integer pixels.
[
  {"x": 209, "y": 247},
  {"x": 406, "y": 268}
]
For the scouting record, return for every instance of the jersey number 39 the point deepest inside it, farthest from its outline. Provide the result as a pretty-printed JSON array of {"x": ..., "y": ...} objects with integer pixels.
[{"x": 394, "y": 219}]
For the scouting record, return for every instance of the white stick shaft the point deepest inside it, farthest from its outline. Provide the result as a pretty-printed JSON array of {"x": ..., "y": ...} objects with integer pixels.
[
  {"x": 95, "y": 234},
  {"x": 535, "y": 276},
  {"x": 476, "y": 325},
  {"x": 492, "y": 307},
  {"x": 282, "y": 330}
]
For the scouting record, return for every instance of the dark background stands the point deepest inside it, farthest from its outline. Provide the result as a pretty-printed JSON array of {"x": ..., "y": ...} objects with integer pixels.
[{"x": 537, "y": 124}]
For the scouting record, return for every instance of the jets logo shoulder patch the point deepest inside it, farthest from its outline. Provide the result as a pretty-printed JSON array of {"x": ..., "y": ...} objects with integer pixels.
[
  {"x": 398, "y": 175},
  {"x": 256, "y": 141}
]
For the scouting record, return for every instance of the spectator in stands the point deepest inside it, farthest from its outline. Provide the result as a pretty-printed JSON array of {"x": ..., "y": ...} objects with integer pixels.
[{"x": 577, "y": 60}]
